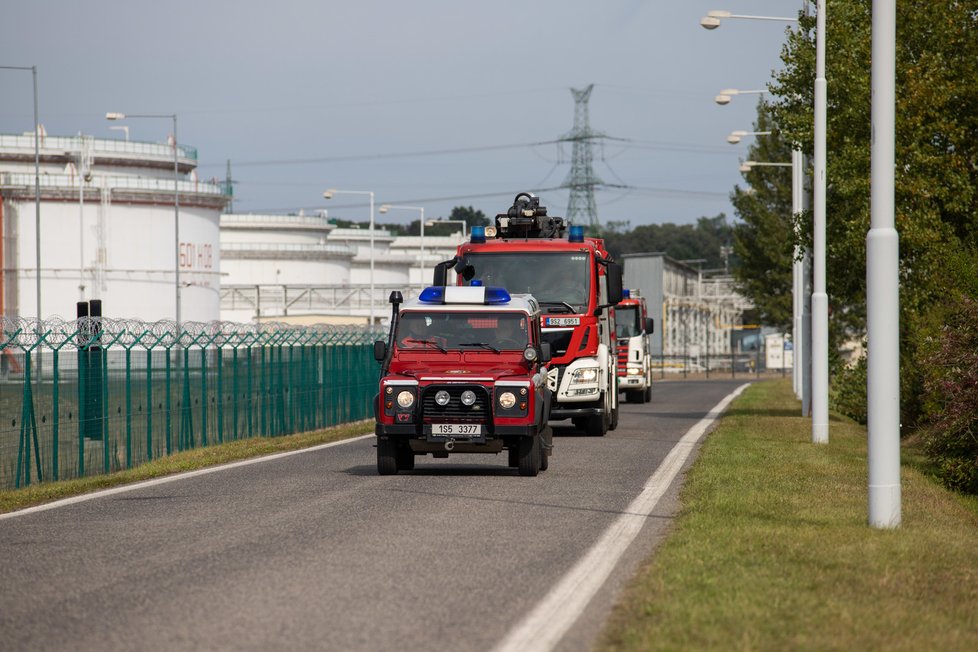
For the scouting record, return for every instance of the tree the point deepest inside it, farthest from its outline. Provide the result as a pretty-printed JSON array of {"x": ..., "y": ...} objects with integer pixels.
[
  {"x": 764, "y": 239},
  {"x": 705, "y": 240},
  {"x": 936, "y": 171}
]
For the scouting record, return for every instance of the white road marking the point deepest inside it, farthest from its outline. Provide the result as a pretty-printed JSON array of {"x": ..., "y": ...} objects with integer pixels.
[
  {"x": 546, "y": 624},
  {"x": 173, "y": 478}
]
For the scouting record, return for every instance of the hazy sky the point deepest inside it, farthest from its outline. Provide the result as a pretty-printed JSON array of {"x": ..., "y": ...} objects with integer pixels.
[{"x": 379, "y": 95}]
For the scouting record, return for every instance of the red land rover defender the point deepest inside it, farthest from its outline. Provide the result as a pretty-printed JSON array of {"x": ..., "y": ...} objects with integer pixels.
[{"x": 464, "y": 370}]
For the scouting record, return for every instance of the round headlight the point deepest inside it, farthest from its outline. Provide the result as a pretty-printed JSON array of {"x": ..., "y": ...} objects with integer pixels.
[
  {"x": 468, "y": 397},
  {"x": 507, "y": 400},
  {"x": 405, "y": 399},
  {"x": 530, "y": 353},
  {"x": 442, "y": 398}
]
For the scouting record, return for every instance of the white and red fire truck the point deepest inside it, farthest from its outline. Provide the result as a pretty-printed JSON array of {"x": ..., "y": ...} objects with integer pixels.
[
  {"x": 634, "y": 329},
  {"x": 577, "y": 285}
]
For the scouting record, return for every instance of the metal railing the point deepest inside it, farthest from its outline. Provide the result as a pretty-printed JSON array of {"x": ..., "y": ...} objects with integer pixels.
[
  {"x": 99, "y": 146},
  {"x": 149, "y": 184},
  {"x": 110, "y": 394}
]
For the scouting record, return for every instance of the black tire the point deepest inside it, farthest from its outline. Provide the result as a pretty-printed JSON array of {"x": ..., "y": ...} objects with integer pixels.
[
  {"x": 647, "y": 394},
  {"x": 405, "y": 459},
  {"x": 386, "y": 456},
  {"x": 514, "y": 457},
  {"x": 546, "y": 447},
  {"x": 597, "y": 425},
  {"x": 529, "y": 454},
  {"x": 614, "y": 418}
]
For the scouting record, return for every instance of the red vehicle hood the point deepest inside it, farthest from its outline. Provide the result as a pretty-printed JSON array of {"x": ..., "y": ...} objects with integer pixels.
[{"x": 460, "y": 370}]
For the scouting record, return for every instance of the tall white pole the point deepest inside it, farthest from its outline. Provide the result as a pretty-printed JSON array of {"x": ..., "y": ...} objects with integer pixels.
[
  {"x": 422, "y": 248},
  {"x": 176, "y": 219},
  {"x": 371, "y": 258},
  {"x": 820, "y": 298},
  {"x": 882, "y": 286},
  {"x": 797, "y": 287}
]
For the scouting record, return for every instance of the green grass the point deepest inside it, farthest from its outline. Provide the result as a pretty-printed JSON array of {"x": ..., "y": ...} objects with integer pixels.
[
  {"x": 772, "y": 551},
  {"x": 190, "y": 460}
]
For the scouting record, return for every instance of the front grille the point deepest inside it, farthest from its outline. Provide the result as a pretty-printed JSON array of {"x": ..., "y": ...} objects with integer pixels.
[
  {"x": 559, "y": 341},
  {"x": 622, "y": 357},
  {"x": 455, "y": 412}
]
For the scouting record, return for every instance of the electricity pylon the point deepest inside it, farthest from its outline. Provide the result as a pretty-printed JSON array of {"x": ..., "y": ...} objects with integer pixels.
[{"x": 581, "y": 207}]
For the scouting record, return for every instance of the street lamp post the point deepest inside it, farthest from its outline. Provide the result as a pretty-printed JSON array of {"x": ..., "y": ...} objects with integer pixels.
[
  {"x": 820, "y": 297},
  {"x": 883, "y": 284},
  {"x": 329, "y": 195},
  {"x": 37, "y": 192},
  {"x": 420, "y": 209},
  {"x": 736, "y": 136},
  {"x": 727, "y": 94},
  {"x": 712, "y": 19},
  {"x": 176, "y": 200}
]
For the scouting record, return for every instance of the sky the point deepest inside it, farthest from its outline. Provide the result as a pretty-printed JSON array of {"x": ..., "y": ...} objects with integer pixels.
[{"x": 428, "y": 103}]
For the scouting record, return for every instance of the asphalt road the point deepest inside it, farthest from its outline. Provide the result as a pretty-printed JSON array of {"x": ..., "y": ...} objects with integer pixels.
[{"x": 315, "y": 551}]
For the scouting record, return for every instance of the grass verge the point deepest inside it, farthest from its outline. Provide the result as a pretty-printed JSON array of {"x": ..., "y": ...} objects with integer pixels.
[
  {"x": 772, "y": 551},
  {"x": 190, "y": 460}
]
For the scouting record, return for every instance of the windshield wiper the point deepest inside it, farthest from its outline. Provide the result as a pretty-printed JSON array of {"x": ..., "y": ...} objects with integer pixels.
[
  {"x": 482, "y": 344},
  {"x": 431, "y": 342},
  {"x": 560, "y": 304}
]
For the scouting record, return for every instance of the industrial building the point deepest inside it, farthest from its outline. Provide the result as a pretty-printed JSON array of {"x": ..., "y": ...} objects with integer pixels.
[
  {"x": 107, "y": 220},
  {"x": 696, "y": 317}
]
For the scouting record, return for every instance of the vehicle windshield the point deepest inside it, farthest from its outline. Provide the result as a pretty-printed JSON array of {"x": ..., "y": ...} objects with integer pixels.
[
  {"x": 627, "y": 322},
  {"x": 462, "y": 330},
  {"x": 553, "y": 278}
]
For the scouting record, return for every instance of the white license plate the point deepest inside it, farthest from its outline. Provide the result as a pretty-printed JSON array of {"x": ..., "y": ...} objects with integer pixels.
[
  {"x": 563, "y": 321},
  {"x": 456, "y": 429}
]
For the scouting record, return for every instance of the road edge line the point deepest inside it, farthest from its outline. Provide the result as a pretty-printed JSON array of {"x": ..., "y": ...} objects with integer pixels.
[{"x": 547, "y": 623}]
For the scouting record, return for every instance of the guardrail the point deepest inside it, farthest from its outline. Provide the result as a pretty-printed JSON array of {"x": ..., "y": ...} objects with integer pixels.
[{"x": 97, "y": 395}]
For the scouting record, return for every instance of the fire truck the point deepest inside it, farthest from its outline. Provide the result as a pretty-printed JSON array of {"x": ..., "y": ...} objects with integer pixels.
[
  {"x": 577, "y": 286},
  {"x": 634, "y": 327},
  {"x": 464, "y": 370}
]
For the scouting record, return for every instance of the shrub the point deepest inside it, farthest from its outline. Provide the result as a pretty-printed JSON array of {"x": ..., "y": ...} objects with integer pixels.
[{"x": 950, "y": 396}]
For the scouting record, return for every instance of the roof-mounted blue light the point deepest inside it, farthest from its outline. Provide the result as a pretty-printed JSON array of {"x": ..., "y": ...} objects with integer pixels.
[
  {"x": 626, "y": 293},
  {"x": 476, "y": 283},
  {"x": 576, "y": 233},
  {"x": 464, "y": 294},
  {"x": 433, "y": 294},
  {"x": 478, "y": 235},
  {"x": 497, "y": 295}
]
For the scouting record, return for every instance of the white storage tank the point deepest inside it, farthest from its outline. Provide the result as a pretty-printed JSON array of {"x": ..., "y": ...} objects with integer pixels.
[{"x": 107, "y": 229}]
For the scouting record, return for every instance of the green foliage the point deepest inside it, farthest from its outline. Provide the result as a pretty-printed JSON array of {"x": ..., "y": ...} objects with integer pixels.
[
  {"x": 764, "y": 239},
  {"x": 848, "y": 392},
  {"x": 950, "y": 399}
]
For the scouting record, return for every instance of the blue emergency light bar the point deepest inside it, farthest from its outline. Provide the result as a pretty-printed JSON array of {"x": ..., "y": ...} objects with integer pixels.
[
  {"x": 461, "y": 294},
  {"x": 576, "y": 233},
  {"x": 626, "y": 293},
  {"x": 478, "y": 235}
]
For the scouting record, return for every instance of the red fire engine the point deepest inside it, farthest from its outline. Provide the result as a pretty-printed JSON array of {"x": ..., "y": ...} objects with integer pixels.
[{"x": 575, "y": 282}]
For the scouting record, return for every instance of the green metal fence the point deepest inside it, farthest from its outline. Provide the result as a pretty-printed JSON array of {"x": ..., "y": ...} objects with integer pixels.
[{"x": 96, "y": 395}]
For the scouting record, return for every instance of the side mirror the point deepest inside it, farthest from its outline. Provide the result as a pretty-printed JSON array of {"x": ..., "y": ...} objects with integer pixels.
[
  {"x": 440, "y": 274},
  {"x": 380, "y": 350},
  {"x": 649, "y": 325},
  {"x": 614, "y": 283},
  {"x": 545, "y": 354}
]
